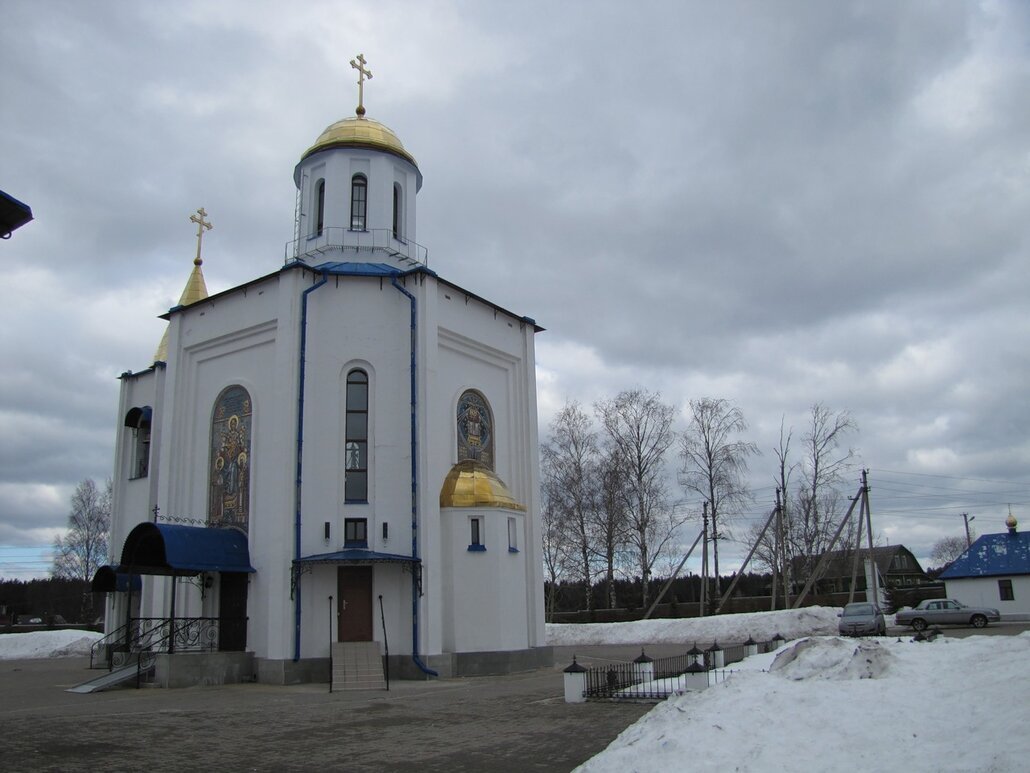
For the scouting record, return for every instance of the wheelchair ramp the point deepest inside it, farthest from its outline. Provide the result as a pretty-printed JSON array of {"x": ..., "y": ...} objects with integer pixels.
[{"x": 108, "y": 680}]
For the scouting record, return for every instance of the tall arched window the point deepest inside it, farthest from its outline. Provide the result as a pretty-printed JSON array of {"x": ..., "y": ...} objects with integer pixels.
[
  {"x": 319, "y": 207},
  {"x": 398, "y": 217},
  {"x": 358, "y": 202},
  {"x": 475, "y": 429},
  {"x": 229, "y": 488},
  {"x": 138, "y": 420},
  {"x": 355, "y": 484}
]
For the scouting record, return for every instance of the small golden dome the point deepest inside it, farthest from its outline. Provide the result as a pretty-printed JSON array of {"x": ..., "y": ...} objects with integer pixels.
[
  {"x": 360, "y": 133},
  {"x": 472, "y": 484},
  {"x": 1011, "y": 521}
]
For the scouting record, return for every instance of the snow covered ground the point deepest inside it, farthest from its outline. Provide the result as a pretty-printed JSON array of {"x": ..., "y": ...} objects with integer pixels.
[
  {"x": 823, "y": 703},
  {"x": 46, "y": 644},
  {"x": 726, "y": 629}
]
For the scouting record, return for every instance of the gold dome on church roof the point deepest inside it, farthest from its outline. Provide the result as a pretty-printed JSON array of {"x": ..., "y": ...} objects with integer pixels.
[
  {"x": 472, "y": 484},
  {"x": 360, "y": 132}
]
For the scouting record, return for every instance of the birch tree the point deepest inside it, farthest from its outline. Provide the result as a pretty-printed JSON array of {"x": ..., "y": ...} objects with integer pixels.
[
  {"x": 569, "y": 461},
  {"x": 715, "y": 463},
  {"x": 83, "y": 548},
  {"x": 638, "y": 431}
]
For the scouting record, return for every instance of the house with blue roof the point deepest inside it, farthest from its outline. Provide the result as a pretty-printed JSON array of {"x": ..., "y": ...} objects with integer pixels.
[{"x": 994, "y": 572}]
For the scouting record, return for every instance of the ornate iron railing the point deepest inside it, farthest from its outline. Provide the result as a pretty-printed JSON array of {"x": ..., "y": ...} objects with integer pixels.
[{"x": 154, "y": 635}]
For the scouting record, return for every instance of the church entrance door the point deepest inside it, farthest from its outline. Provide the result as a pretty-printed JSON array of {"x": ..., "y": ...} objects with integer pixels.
[
  {"x": 354, "y": 605},
  {"x": 232, "y": 612}
]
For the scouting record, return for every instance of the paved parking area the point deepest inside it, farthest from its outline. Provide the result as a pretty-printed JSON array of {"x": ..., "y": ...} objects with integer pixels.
[{"x": 512, "y": 723}]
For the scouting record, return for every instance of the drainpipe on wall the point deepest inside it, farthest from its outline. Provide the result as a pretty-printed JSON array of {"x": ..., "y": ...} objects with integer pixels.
[
  {"x": 300, "y": 460},
  {"x": 414, "y": 487}
]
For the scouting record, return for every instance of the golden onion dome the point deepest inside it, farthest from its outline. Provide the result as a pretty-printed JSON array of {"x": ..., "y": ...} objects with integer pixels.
[
  {"x": 473, "y": 484},
  {"x": 357, "y": 132}
]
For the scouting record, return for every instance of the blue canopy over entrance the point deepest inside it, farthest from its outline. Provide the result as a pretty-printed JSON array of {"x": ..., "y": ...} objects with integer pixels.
[
  {"x": 109, "y": 580},
  {"x": 357, "y": 556},
  {"x": 171, "y": 549}
]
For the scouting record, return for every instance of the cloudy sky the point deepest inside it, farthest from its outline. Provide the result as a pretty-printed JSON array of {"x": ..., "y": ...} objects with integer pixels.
[{"x": 776, "y": 203}]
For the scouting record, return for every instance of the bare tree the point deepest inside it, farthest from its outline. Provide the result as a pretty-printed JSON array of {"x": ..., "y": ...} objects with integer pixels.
[
  {"x": 816, "y": 506},
  {"x": 780, "y": 561},
  {"x": 610, "y": 518},
  {"x": 569, "y": 461},
  {"x": 715, "y": 462},
  {"x": 638, "y": 428},
  {"x": 947, "y": 549},
  {"x": 556, "y": 550},
  {"x": 83, "y": 549},
  {"x": 813, "y": 505}
]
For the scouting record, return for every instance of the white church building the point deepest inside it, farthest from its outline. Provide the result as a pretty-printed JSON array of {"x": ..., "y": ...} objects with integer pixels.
[{"x": 341, "y": 451}]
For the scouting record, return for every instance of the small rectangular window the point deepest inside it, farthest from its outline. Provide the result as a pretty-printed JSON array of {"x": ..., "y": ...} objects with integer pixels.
[
  {"x": 476, "y": 534},
  {"x": 1005, "y": 590},
  {"x": 355, "y": 533},
  {"x": 513, "y": 538}
]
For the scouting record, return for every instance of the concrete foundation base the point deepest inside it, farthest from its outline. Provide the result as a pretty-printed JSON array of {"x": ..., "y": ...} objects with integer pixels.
[
  {"x": 195, "y": 669},
  {"x": 455, "y": 664},
  {"x": 289, "y": 672}
]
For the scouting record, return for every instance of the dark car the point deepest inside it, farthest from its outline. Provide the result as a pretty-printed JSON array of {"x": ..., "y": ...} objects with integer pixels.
[
  {"x": 862, "y": 619},
  {"x": 946, "y": 612}
]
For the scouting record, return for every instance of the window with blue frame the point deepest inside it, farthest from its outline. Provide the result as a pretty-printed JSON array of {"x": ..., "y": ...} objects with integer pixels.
[
  {"x": 355, "y": 533},
  {"x": 358, "y": 202},
  {"x": 476, "y": 534},
  {"x": 355, "y": 481}
]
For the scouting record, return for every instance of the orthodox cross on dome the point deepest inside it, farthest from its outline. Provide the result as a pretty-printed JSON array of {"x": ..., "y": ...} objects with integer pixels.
[
  {"x": 363, "y": 72},
  {"x": 201, "y": 226}
]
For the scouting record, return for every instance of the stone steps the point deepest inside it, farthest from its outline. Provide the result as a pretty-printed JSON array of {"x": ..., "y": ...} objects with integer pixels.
[{"x": 357, "y": 666}]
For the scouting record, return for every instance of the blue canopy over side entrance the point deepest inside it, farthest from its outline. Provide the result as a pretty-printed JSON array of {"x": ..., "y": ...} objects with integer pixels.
[{"x": 171, "y": 549}]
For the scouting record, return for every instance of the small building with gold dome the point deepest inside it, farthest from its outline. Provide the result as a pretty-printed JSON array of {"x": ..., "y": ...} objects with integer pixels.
[
  {"x": 337, "y": 458},
  {"x": 994, "y": 572}
]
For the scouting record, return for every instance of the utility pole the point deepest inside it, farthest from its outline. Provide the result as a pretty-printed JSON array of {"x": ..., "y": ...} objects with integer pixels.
[
  {"x": 869, "y": 536},
  {"x": 969, "y": 538}
]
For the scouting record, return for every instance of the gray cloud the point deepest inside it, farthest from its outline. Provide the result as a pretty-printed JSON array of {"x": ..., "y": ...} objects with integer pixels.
[{"x": 774, "y": 203}]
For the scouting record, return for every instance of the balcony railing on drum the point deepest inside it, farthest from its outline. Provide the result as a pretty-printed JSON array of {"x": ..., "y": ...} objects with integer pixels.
[{"x": 322, "y": 245}]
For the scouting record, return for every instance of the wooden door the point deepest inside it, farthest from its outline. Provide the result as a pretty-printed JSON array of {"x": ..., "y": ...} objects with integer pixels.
[
  {"x": 232, "y": 612},
  {"x": 354, "y": 603}
]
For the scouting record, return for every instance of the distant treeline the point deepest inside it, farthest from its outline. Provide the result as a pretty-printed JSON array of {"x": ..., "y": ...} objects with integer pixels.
[
  {"x": 60, "y": 598},
  {"x": 684, "y": 590}
]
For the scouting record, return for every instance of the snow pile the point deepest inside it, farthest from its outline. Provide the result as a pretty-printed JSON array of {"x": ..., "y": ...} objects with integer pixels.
[
  {"x": 46, "y": 644},
  {"x": 833, "y": 659},
  {"x": 951, "y": 704},
  {"x": 730, "y": 629}
]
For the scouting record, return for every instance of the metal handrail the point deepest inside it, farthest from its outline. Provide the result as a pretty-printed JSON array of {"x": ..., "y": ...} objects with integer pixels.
[
  {"x": 386, "y": 642},
  {"x": 337, "y": 239}
]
